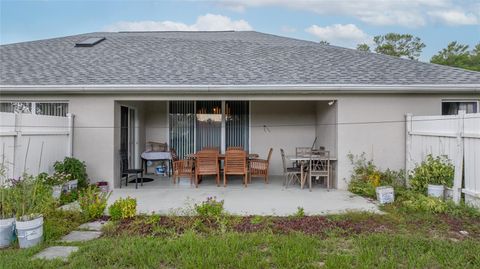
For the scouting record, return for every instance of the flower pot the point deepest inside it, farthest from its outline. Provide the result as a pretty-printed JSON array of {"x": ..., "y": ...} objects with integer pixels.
[
  {"x": 436, "y": 191},
  {"x": 57, "y": 191},
  {"x": 385, "y": 194},
  {"x": 103, "y": 186},
  {"x": 7, "y": 232},
  {"x": 448, "y": 193},
  {"x": 30, "y": 232},
  {"x": 70, "y": 185}
]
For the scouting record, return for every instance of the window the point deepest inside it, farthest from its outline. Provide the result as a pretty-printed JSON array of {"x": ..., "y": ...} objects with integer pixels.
[
  {"x": 194, "y": 125},
  {"x": 40, "y": 108},
  {"x": 452, "y": 107}
]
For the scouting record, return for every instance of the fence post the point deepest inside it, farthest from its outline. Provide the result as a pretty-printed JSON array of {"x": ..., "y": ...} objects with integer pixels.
[
  {"x": 70, "y": 117},
  {"x": 16, "y": 143},
  {"x": 457, "y": 179},
  {"x": 408, "y": 145}
]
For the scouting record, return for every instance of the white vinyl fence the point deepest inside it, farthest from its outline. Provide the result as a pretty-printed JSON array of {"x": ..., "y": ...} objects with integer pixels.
[
  {"x": 457, "y": 137},
  {"x": 32, "y": 143}
]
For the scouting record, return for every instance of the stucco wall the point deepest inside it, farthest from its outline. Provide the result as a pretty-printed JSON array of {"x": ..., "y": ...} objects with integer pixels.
[
  {"x": 281, "y": 124},
  {"x": 374, "y": 124}
]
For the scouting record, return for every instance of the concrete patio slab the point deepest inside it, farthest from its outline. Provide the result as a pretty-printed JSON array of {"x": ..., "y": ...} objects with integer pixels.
[
  {"x": 161, "y": 196},
  {"x": 93, "y": 226},
  {"x": 80, "y": 236},
  {"x": 60, "y": 252}
]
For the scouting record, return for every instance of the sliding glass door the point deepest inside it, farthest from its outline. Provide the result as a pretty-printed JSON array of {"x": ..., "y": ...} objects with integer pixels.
[{"x": 194, "y": 125}]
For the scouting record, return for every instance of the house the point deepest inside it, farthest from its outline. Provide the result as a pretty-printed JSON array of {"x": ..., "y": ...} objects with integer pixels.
[{"x": 227, "y": 88}]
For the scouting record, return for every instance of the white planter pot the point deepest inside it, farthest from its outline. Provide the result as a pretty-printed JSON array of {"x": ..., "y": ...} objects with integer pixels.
[
  {"x": 7, "y": 232},
  {"x": 30, "y": 232},
  {"x": 70, "y": 185},
  {"x": 385, "y": 194},
  {"x": 436, "y": 191},
  {"x": 448, "y": 193},
  {"x": 57, "y": 191}
]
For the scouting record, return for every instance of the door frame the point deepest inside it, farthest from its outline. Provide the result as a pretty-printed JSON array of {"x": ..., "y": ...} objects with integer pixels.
[{"x": 133, "y": 130}]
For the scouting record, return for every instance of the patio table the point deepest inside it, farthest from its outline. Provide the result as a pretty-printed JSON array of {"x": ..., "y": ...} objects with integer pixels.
[
  {"x": 303, "y": 160},
  {"x": 157, "y": 156}
]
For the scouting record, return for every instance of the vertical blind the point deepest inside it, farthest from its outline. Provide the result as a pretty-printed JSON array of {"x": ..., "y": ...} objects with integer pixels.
[
  {"x": 194, "y": 125},
  {"x": 209, "y": 124},
  {"x": 237, "y": 124},
  {"x": 182, "y": 127}
]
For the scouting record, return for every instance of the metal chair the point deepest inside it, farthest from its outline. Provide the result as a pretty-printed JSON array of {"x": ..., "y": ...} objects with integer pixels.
[
  {"x": 290, "y": 173},
  {"x": 127, "y": 172},
  {"x": 319, "y": 166},
  {"x": 259, "y": 167}
]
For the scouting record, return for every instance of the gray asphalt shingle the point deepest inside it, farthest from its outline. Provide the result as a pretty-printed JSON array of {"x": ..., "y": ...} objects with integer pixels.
[{"x": 209, "y": 58}]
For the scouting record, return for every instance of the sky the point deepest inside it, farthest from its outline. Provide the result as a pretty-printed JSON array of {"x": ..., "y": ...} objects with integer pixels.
[{"x": 340, "y": 22}]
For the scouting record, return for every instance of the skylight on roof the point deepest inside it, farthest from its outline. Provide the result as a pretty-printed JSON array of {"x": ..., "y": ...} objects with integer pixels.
[{"x": 89, "y": 42}]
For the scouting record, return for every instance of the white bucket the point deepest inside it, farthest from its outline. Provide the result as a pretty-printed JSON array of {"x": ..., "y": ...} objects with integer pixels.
[
  {"x": 385, "y": 194},
  {"x": 448, "y": 193},
  {"x": 30, "y": 232},
  {"x": 56, "y": 191},
  {"x": 436, "y": 191},
  {"x": 7, "y": 232}
]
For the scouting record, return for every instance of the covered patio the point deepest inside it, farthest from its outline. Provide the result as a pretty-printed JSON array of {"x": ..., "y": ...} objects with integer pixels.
[
  {"x": 255, "y": 125},
  {"x": 162, "y": 196}
]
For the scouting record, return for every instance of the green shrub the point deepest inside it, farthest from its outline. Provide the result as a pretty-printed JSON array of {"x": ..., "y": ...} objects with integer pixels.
[
  {"x": 300, "y": 213},
  {"x": 93, "y": 202},
  {"x": 68, "y": 197},
  {"x": 31, "y": 197},
  {"x": 59, "y": 178},
  {"x": 210, "y": 208},
  {"x": 74, "y": 167},
  {"x": 123, "y": 209},
  {"x": 366, "y": 177},
  {"x": 433, "y": 170}
]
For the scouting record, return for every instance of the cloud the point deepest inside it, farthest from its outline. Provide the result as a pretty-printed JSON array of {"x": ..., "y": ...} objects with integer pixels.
[
  {"x": 348, "y": 35},
  {"x": 208, "y": 22},
  {"x": 288, "y": 29},
  {"x": 409, "y": 13},
  {"x": 455, "y": 17}
]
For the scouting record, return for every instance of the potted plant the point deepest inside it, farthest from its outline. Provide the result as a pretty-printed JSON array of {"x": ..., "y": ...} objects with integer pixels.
[
  {"x": 76, "y": 168},
  {"x": 7, "y": 220},
  {"x": 57, "y": 182},
  {"x": 32, "y": 198},
  {"x": 433, "y": 175}
]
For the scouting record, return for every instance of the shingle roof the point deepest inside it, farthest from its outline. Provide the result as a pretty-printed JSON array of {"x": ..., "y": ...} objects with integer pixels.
[{"x": 209, "y": 58}]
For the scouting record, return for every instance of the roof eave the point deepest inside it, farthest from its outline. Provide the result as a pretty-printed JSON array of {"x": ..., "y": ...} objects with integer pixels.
[{"x": 250, "y": 89}]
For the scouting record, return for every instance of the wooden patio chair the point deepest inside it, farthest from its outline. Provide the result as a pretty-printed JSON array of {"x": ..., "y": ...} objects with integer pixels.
[
  {"x": 259, "y": 167},
  {"x": 319, "y": 166},
  {"x": 217, "y": 149},
  {"x": 235, "y": 164},
  {"x": 290, "y": 173},
  {"x": 234, "y": 148},
  {"x": 207, "y": 164},
  {"x": 127, "y": 172},
  {"x": 183, "y": 168}
]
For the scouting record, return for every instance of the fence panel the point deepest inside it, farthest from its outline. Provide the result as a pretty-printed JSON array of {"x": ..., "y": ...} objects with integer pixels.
[
  {"x": 32, "y": 143},
  {"x": 457, "y": 137},
  {"x": 471, "y": 134}
]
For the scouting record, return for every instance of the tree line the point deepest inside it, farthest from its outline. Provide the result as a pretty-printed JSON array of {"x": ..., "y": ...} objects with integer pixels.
[{"x": 410, "y": 47}]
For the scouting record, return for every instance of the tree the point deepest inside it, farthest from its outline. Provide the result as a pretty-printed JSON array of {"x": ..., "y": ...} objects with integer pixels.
[
  {"x": 458, "y": 55},
  {"x": 399, "y": 45},
  {"x": 323, "y": 42},
  {"x": 363, "y": 47}
]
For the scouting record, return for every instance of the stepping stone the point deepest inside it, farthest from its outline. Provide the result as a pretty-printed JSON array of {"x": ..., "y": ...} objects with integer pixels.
[
  {"x": 93, "y": 226},
  {"x": 55, "y": 252},
  {"x": 80, "y": 236}
]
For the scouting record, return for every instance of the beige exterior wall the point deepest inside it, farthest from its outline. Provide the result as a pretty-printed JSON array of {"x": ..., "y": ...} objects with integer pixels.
[{"x": 292, "y": 120}]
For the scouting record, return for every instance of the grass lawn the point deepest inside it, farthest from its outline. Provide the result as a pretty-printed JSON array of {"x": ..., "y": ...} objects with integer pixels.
[{"x": 353, "y": 240}]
